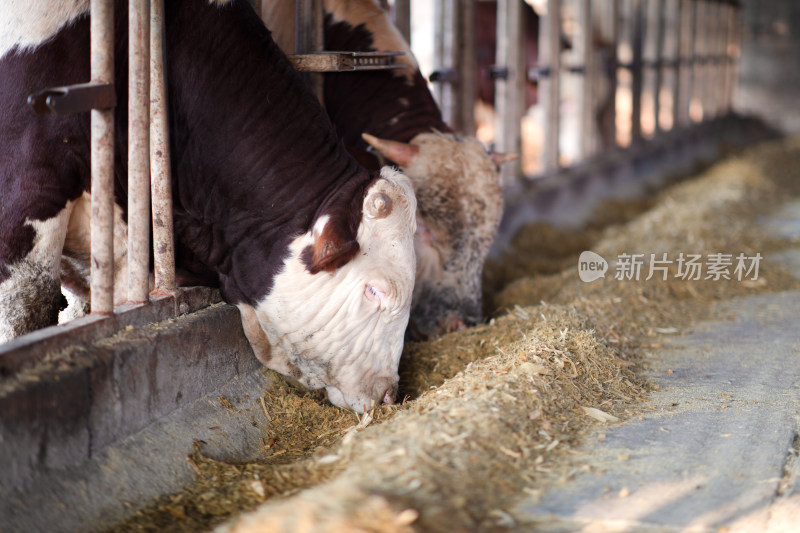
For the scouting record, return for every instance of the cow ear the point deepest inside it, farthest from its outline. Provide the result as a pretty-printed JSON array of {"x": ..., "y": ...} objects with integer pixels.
[
  {"x": 401, "y": 153},
  {"x": 498, "y": 158},
  {"x": 333, "y": 246}
]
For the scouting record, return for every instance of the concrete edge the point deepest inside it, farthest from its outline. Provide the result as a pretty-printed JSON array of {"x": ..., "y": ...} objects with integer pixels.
[
  {"x": 27, "y": 350},
  {"x": 109, "y": 487},
  {"x": 68, "y": 414}
]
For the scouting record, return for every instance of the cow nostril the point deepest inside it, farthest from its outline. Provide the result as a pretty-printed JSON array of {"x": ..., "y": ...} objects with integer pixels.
[
  {"x": 456, "y": 325},
  {"x": 388, "y": 397}
]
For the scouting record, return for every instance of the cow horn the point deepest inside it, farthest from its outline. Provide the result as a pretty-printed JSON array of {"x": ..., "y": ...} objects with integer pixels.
[
  {"x": 401, "y": 153},
  {"x": 378, "y": 205},
  {"x": 499, "y": 158}
]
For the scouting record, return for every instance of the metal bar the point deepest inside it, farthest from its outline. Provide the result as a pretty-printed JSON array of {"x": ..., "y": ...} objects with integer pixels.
[
  {"x": 79, "y": 98},
  {"x": 661, "y": 23},
  {"x": 636, "y": 71},
  {"x": 468, "y": 65},
  {"x": 102, "y": 133},
  {"x": 309, "y": 38},
  {"x": 730, "y": 13},
  {"x": 161, "y": 184},
  {"x": 722, "y": 46},
  {"x": 692, "y": 64},
  {"x": 608, "y": 128},
  {"x": 402, "y": 18},
  {"x": 138, "y": 151},
  {"x": 588, "y": 131},
  {"x": 508, "y": 90},
  {"x": 700, "y": 63},
  {"x": 446, "y": 58},
  {"x": 553, "y": 129},
  {"x": 345, "y": 61},
  {"x": 676, "y": 79},
  {"x": 736, "y": 44}
]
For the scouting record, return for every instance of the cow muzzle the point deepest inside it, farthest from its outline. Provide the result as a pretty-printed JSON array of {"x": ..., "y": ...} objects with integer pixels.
[{"x": 382, "y": 391}]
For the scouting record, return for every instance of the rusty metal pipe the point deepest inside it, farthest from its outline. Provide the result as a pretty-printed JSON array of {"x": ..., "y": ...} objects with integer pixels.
[
  {"x": 161, "y": 177},
  {"x": 138, "y": 151},
  {"x": 588, "y": 83},
  {"x": 661, "y": 21},
  {"x": 509, "y": 89},
  {"x": 678, "y": 68},
  {"x": 309, "y": 38},
  {"x": 102, "y": 135},
  {"x": 551, "y": 146},
  {"x": 637, "y": 82}
]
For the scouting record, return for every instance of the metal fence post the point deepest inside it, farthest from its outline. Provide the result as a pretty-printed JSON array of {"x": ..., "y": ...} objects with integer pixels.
[
  {"x": 637, "y": 71},
  {"x": 661, "y": 22},
  {"x": 468, "y": 66},
  {"x": 552, "y": 128},
  {"x": 139, "y": 151},
  {"x": 446, "y": 59},
  {"x": 588, "y": 107},
  {"x": 161, "y": 178},
  {"x": 678, "y": 65},
  {"x": 309, "y": 38},
  {"x": 690, "y": 90},
  {"x": 102, "y": 133},
  {"x": 509, "y": 90}
]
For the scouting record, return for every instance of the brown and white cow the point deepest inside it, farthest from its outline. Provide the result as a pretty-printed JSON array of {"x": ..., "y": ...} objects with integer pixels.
[
  {"x": 459, "y": 199},
  {"x": 316, "y": 252}
]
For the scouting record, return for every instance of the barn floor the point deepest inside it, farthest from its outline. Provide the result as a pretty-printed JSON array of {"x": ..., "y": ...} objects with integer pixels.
[
  {"x": 716, "y": 447},
  {"x": 515, "y": 425}
]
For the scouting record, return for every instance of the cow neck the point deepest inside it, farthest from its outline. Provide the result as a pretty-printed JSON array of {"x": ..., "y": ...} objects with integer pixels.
[
  {"x": 255, "y": 158},
  {"x": 382, "y": 103}
]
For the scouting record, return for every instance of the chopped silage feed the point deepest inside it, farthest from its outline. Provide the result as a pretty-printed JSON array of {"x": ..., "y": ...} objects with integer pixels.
[{"x": 491, "y": 413}]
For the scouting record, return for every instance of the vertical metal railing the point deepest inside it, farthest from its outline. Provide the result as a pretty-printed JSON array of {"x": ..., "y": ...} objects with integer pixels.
[
  {"x": 142, "y": 57},
  {"x": 609, "y": 130},
  {"x": 588, "y": 102},
  {"x": 672, "y": 58},
  {"x": 445, "y": 53},
  {"x": 637, "y": 71},
  {"x": 161, "y": 176},
  {"x": 102, "y": 138},
  {"x": 552, "y": 40},
  {"x": 139, "y": 151},
  {"x": 309, "y": 38},
  {"x": 509, "y": 88},
  {"x": 677, "y": 64},
  {"x": 660, "y": 37}
]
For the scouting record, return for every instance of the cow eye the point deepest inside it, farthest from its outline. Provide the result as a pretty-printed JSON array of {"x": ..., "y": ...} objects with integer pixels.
[{"x": 376, "y": 295}]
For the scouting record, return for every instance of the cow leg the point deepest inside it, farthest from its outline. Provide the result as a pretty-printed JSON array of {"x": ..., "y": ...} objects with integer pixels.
[{"x": 30, "y": 293}]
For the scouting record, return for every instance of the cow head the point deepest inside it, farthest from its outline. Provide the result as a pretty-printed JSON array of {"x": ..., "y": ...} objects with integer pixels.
[
  {"x": 459, "y": 205},
  {"x": 341, "y": 327}
]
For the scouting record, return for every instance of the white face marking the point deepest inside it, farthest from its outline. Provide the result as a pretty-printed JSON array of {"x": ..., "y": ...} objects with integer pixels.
[
  {"x": 29, "y": 297},
  {"x": 29, "y": 23},
  {"x": 344, "y": 330},
  {"x": 319, "y": 225}
]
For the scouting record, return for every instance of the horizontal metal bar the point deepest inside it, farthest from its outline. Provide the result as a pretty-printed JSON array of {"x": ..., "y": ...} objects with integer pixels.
[
  {"x": 78, "y": 98},
  {"x": 497, "y": 72},
  {"x": 345, "y": 61},
  {"x": 445, "y": 75}
]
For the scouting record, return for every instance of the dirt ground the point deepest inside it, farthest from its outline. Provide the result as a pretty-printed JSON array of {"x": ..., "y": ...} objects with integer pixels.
[{"x": 491, "y": 413}]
